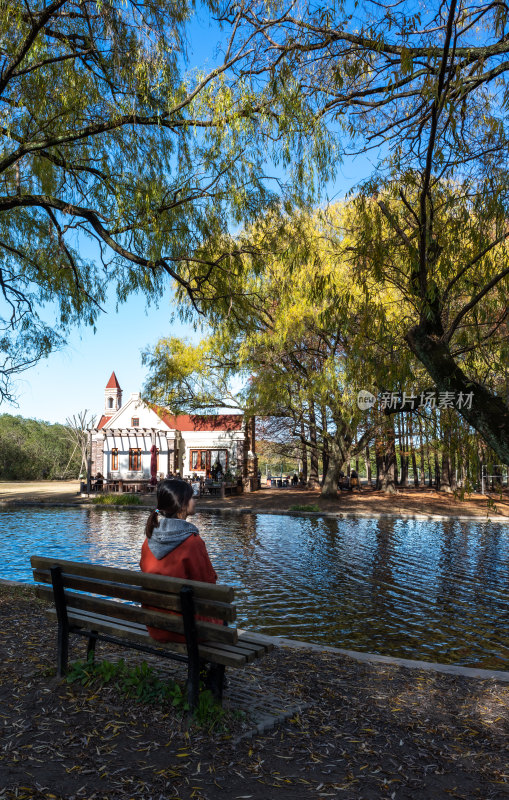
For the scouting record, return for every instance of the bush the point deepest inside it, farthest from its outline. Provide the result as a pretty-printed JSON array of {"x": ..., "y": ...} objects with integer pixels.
[{"x": 117, "y": 500}]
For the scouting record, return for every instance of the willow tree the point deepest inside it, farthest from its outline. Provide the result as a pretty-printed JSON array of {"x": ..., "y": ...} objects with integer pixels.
[
  {"x": 117, "y": 161},
  {"x": 294, "y": 329},
  {"x": 425, "y": 92}
]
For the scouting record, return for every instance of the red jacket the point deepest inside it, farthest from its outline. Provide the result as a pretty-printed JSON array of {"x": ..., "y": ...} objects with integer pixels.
[{"x": 189, "y": 560}]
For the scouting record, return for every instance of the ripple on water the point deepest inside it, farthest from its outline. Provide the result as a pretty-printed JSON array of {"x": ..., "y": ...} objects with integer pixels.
[{"x": 424, "y": 589}]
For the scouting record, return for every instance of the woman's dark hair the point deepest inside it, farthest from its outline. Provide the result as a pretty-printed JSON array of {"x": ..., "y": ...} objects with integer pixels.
[{"x": 172, "y": 497}]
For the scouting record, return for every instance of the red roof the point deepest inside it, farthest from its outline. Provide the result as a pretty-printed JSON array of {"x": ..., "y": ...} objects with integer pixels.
[
  {"x": 204, "y": 422},
  {"x": 113, "y": 383},
  {"x": 193, "y": 422}
]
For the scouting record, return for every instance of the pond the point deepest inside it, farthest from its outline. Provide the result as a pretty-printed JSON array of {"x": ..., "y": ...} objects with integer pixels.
[{"x": 430, "y": 590}]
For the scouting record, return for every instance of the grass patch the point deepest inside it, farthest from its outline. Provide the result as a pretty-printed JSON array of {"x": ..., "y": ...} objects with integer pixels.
[
  {"x": 312, "y": 507},
  {"x": 141, "y": 685},
  {"x": 117, "y": 500}
]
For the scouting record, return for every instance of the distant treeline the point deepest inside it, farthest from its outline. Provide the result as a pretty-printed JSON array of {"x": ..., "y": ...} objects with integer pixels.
[{"x": 35, "y": 450}]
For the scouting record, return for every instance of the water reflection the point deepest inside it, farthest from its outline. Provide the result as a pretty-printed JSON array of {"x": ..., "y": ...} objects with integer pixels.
[{"x": 411, "y": 588}]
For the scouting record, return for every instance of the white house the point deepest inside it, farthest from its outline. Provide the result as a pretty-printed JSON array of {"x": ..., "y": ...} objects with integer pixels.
[{"x": 187, "y": 444}]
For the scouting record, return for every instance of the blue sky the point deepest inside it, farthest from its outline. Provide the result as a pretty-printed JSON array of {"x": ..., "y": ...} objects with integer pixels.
[{"x": 73, "y": 379}]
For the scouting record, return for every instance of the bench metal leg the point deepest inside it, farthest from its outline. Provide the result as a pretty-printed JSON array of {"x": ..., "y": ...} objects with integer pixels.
[
  {"x": 63, "y": 624},
  {"x": 215, "y": 681},
  {"x": 193, "y": 663},
  {"x": 92, "y": 639},
  {"x": 62, "y": 650}
]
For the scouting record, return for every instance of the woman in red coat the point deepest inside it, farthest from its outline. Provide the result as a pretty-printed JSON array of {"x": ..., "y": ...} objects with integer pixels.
[{"x": 172, "y": 545}]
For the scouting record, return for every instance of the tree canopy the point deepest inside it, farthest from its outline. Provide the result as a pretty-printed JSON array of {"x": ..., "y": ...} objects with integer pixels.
[
  {"x": 108, "y": 135},
  {"x": 118, "y": 161},
  {"x": 33, "y": 450},
  {"x": 297, "y": 348},
  {"x": 425, "y": 92},
  {"x": 310, "y": 322}
]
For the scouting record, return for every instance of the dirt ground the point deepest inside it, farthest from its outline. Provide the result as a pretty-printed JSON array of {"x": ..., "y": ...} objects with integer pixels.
[
  {"x": 363, "y": 732},
  {"x": 405, "y": 501}
]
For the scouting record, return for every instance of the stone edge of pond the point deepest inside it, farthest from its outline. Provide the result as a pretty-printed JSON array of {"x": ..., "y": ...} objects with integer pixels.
[
  {"x": 350, "y": 514},
  {"x": 276, "y": 512},
  {"x": 356, "y": 655}
]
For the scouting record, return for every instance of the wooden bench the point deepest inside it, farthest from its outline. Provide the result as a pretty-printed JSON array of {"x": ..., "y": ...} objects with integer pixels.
[{"x": 73, "y": 588}]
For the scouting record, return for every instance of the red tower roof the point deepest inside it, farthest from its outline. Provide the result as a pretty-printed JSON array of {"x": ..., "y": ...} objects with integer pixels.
[{"x": 113, "y": 383}]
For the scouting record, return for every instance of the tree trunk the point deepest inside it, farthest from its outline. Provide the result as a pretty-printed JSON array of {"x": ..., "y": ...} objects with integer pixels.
[
  {"x": 412, "y": 450},
  {"x": 325, "y": 446},
  {"x": 414, "y": 468},
  {"x": 304, "y": 453},
  {"x": 368, "y": 465},
  {"x": 423, "y": 463},
  {"x": 486, "y": 413},
  {"x": 437, "y": 473},
  {"x": 454, "y": 482},
  {"x": 325, "y": 458},
  {"x": 313, "y": 481},
  {"x": 396, "y": 470},
  {"x": 480, "y": 457},
  {"x": 428, "y": 459},
  {"x": 445, "y": 474},
  {"x": 388, "y": 476},
  {"x": 379, "y": 461},
  {"x": 403, "y": 450},
  {"x": 331, "y": 478}
]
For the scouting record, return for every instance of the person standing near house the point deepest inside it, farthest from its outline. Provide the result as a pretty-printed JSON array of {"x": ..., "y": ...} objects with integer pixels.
[{"x": 173, "y": 546}]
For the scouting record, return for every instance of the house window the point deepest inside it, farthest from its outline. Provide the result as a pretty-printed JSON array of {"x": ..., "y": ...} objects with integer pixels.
[
  {"x": 110, "y": 402},
  {"x": 208, "y": 460},
  {"x": 134, "y": 459},
  {"x": 135, "y": 422},
  {"x": 114, "y": 459}
]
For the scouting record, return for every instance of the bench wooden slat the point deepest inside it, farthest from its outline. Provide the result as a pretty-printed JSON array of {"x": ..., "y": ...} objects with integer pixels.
[
  {"x": 156, "y": 619},
  {"x": 248, "y": 655},
  {"x": 257, "y": 649},
  {"x": 249, "y": 636},
  {"x": 211, "y": 608},
  {"x": 209, "y": 591},
  {"x": 240, "y": 647},
  {"x": 214, "y": 652},
  {"x": 249, "y": 650},
  {"x": 104, "y": 618}
]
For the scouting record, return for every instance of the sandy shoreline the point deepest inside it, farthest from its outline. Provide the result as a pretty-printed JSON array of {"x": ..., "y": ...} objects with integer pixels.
[{"x": 408, "y": 502}]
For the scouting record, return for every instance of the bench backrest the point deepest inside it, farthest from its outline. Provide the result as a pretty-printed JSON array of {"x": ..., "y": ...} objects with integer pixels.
[{"x": 115, "y": 586}]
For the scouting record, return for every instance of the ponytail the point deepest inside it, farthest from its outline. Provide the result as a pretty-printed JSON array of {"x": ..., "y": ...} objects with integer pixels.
[
  {"x": 152, "y": 522},
  {"x": 173, "y": 497}
]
